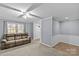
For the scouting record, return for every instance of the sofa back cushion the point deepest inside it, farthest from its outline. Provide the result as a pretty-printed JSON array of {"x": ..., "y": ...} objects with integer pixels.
[
  {"x": 17, "y": 37},
  {"x": 24, "y": 36},
  {"x": 10, "y": 38}
]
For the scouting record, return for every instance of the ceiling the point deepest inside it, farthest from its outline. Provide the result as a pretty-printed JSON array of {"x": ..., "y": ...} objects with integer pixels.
[{"x": 61, "y": 11}]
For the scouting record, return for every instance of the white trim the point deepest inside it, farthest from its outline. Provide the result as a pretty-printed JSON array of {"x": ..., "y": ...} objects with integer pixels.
[
  {"x": 40, "y": 31},
  {"x": 45, "y": 44}
]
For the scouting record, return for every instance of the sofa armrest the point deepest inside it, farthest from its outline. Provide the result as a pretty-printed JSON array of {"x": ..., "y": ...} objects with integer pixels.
[
  {"x": 3, "y": 41},
  {"x": 29, "y": 38}
]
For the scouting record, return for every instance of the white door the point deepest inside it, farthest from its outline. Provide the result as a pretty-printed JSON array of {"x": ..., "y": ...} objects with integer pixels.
[{"x": 36, "y": 29}]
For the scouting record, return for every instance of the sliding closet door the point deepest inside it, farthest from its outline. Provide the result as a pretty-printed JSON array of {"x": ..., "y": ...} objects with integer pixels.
[{"x": 46, "y": 31}]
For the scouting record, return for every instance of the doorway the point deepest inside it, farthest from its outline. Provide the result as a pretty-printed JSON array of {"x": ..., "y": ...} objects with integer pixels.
[{"x": 37, "y": 30}]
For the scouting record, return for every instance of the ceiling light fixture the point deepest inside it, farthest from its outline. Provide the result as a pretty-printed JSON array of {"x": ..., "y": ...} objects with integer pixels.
[
  {"x": 66, "y": 17},
  {"x": 26, "y": 15}
]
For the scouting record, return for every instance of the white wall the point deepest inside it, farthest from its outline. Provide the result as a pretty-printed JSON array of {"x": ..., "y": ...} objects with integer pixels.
[
  {"x": 1, "y": 29},
  {"x": 46, "y": 31},
  {"x": 70, "y": 39},
  {"x": 49, "y": 28},
  {"x": 69, "y": 33},
  {"x": 29, "y": 29},
  {"x": 70, "y": 27},
  {"x": 56, "y": 27},
  {"x": 70, "y": 30}
]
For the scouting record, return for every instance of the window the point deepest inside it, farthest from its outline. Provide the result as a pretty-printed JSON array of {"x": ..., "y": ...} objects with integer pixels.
[
  {"x": 15, "y": 28},
  {"x": 11, "y": 28},
  {"x": 20, "y": 28}
]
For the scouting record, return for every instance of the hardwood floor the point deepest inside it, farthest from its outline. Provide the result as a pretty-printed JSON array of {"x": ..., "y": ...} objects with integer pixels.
[{"x": 67, "y": 48}]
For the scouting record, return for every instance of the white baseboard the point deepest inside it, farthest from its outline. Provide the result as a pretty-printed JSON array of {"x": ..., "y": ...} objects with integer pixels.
[{"x": 45, "y": 44}]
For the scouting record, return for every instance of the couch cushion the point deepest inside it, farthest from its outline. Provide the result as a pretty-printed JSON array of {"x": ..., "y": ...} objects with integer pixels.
[
  {"x": 20, "y": 40},
  {"x": 25, "y": 39},
  {"x": 10, "y": 42},
  {"x": 10, "y": 38},
  {"x": 18, "y": 37},
  {"x": 24, "y": 36}
]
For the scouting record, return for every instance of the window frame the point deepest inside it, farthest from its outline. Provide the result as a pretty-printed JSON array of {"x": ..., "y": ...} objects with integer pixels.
[{"x": 16, "y": 26}]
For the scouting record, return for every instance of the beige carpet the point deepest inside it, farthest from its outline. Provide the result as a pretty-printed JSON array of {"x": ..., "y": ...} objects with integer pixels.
[
  {"x": 31, "y": 49},
  {"x": 67, "y": 48}
]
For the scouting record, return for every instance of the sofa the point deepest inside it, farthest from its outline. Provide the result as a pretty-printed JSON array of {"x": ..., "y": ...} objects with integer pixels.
[{"x": 12, "y": 40}]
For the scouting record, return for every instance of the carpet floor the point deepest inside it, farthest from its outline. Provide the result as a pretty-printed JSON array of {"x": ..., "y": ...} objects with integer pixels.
[{"x": 32, "y": 49}]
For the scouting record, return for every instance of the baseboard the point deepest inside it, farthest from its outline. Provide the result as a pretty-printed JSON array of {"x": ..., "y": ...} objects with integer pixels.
[{"x": 45, "y": 44}]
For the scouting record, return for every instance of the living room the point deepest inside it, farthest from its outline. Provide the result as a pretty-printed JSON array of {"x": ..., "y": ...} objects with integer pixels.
[{"x": 39, "y": 29}]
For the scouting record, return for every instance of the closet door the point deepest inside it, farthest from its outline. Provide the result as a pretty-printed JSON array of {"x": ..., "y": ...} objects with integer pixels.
[{"x": 46, "y": 31}]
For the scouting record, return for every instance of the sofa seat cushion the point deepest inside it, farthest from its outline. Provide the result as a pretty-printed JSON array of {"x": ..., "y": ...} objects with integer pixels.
[
  {"x": 10, "y": 42},
  {"x": 25, "y": 39},
  {"x": 20, "y": 40}
]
